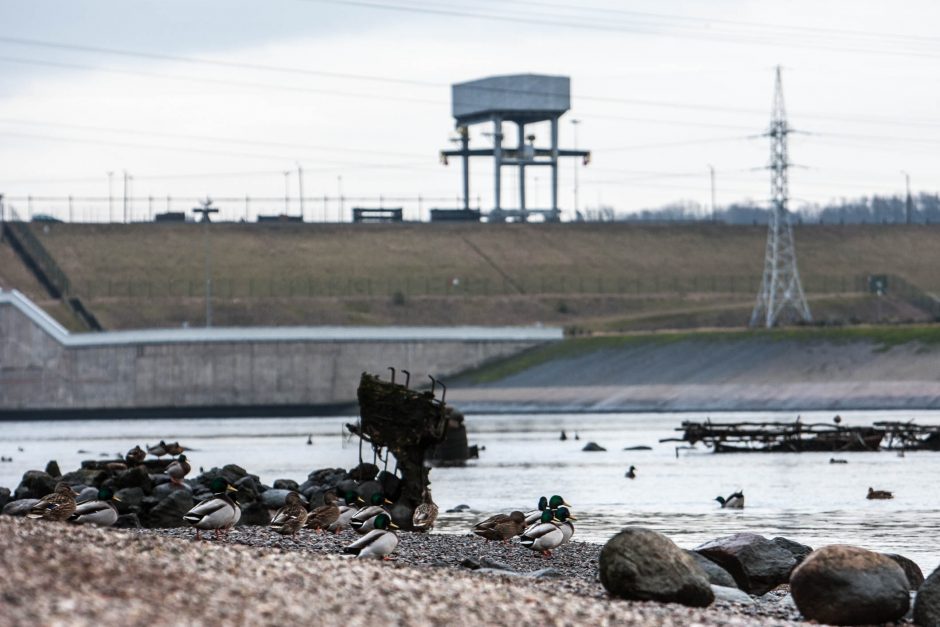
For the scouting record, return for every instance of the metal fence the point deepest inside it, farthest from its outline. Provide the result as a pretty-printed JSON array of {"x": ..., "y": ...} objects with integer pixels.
[{"x": 225, "y": 287}]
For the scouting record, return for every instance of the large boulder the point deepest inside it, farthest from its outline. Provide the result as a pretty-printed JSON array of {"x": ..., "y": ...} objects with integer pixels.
[
  {"x": 274, "y": 498},
  {"x": 136, "y": 477},
  {"x": 169, "y": 511},
  {"x": 593, "y": 447},
  {"x": 847, "y": 585},
  {"x": 85, "y": 476},
  {"x": 163, "y": 490},
  {"x": 915, "y": 576},
  {"x": 927, "y": 603},
  {"x": 52, "y": 469},
  {"x": 129, "y": 500},
  {"x": 5, "y": 496},
  {"x": 286, "y": 484},
  {"x": 255, "y": 514},
  {"x": 756, "y": 563},
  {"x": 799, "y": 551},
  {"x": 640, "y": 564},
  {"x": 35, "y": 485},
  {"x": 364, "y": 472},
  {"x": 717, "y": 576}
]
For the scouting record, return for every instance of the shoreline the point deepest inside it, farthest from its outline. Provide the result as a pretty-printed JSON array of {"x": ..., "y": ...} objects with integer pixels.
[{"x": 81, "y": 575}]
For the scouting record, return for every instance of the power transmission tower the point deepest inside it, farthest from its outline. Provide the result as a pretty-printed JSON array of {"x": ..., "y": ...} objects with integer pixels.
[{"x": 781, "y": 293}]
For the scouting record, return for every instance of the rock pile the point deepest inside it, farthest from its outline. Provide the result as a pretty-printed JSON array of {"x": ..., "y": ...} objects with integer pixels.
[{"x": 149, "y": 499}]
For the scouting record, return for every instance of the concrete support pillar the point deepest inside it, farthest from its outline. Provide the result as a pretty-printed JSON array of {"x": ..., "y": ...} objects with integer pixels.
[
  {"x": 555, "y": 168},
  {"x": 465, "y": 147},
  {"x": 521, "y": 158},
  {"x": 498, "y": 159}
]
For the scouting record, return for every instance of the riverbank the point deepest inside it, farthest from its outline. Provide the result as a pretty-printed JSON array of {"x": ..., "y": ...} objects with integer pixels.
[{"x": 53, "y": 573}]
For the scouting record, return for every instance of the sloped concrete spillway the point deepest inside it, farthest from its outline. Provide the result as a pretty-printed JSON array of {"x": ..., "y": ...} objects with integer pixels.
[{"x": 47, "y": 372}]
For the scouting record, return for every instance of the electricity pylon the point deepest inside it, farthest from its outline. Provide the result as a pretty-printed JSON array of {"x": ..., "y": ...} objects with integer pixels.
[{"x": 781, "y": 295}]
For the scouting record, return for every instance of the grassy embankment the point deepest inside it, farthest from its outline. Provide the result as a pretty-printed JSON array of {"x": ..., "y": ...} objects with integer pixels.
[{"x": 600, "y": 277}]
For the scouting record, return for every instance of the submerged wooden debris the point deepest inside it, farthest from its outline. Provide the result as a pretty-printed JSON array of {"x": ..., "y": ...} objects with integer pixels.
[
  {"x": 779, "y": 437},
  {"x": 798, "y": 437}
]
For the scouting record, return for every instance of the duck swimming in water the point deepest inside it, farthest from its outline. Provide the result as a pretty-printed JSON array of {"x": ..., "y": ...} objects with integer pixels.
[
  {"x": 631, "y": 474},
  {"x": 734, "y": 501},
  {"x": 879, "y": 494}
]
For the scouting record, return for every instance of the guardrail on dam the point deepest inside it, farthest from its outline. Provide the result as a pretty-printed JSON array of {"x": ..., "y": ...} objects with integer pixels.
[{"x": 46, "y": 372}]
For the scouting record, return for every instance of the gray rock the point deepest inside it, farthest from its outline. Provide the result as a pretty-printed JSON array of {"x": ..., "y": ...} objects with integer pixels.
[
  {"x": 86, "y": 494},
  {"x": 329, "y": 478},
  {"x": 5, "y": 496},
  {"x": 927, "y": 603},
  {"x": 545, "y": 573},
  {"x": 717, "y": 576},
  {"x": 915, "y": 576},
  {"x": 249, "y": 489},
  {"x": 756, "y": 563},
  {"x": 641, "y": 447},
  {"x": 364, "y": 472},
  {"x": 127, "y": 521},
  {"x": 593, "y": 447},
  {"x": 254, "y": 514},
  {"x": 286, "y": 484},
  {"x": 488, "y": 562},
  {"x": 35, "y": 484},
  {"x": 274, "y": 498},
  {"x": 164, "y": 489},
  {"x": 52, "y": 469},
  {"x": 169, "y": 511},
  {"x": 732, "y": 595},
  {"x": 847, "y": 585},
  {"x": 131, "y": 500},
  {"x": 19, "y": 507},
  {"x": 85, "y": 476},
  {"x": 391, "y": 485},
  {"x": 136, "y": 477},
  {"x": 799, "y": 551},
  {"x": 640, "y": 564},
  {"x": 159, "y": 478}
]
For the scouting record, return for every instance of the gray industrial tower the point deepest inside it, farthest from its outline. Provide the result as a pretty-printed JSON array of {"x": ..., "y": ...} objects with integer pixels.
[
  {"x": 781, "y": 293},
  {"x": 521, "y": 99}
]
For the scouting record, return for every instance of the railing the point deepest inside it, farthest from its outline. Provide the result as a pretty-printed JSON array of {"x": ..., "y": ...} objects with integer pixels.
[{"x": 313, "y": 287}]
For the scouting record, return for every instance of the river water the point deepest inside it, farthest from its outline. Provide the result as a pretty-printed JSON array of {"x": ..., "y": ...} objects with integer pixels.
[{"x": 801, "y": 496}]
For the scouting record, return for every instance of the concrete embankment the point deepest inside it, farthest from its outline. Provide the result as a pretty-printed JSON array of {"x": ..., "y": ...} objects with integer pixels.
[{"x": 724, "y": 372}]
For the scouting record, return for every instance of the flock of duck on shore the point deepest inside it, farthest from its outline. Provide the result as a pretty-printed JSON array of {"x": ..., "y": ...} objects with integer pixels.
[{"x": 543, "y": 529}]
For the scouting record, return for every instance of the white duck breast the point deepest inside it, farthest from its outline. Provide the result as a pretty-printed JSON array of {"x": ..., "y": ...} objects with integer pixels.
[
  {"x": 533, "y": 517},
  {"x": 101, "y": 513},
  {"x": 345, "y": 516},
  {"x": 543, "y": 537},
  {"x": 217, "y": 513},
  {"x": 376, "y": 544},
  {"x": 567, "y": 530}
]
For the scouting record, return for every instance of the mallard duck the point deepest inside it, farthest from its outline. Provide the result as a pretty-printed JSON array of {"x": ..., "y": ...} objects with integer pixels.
[
  {"x": 734, "y": 501},
  {"x": 219, "y": 513},
  {"x": 135, "y": 456},
  {"x": 346, "y": 512},
  {"x": 363, "y": 521},
  {"x": 177, "y": 469},
  {"x": 564, "y": 518},
  {"x": 159, "y": 450},
  {"x": 322, "y": 517},
  {"x": 378, "y": 543},
  {"x": 631, "y": 474},
  {"x": 879, "y": 494},
  {"x": 544, "y": 536},
  {"x": 174, "y": 448},
  {"x": 425, "y": 514},
  {"x": 100, "y": 511},
  {"x": 533, "y": 516},
  {"x": 57, "y": 505},
  {"x": 291, "y": 518},
  {"x": 502, "y": 526}
]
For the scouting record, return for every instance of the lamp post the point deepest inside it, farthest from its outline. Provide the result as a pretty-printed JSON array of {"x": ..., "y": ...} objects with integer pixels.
[
  {"x": 908, "y": 201},
  {"x": 300, "y": 188},
  {"x": 286, "y": 192},
  {"x": 711, "y": 174},
  {"x": 206, "y": 210},
  {"x": 110, "y": 196},
  {"x": 339, "y": 188}
]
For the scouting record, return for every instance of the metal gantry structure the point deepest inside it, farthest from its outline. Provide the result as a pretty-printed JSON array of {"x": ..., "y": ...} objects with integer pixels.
[{"x": 781, "y": 296}]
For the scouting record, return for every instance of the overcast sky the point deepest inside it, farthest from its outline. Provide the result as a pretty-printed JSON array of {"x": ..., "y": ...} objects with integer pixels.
[{"x": 221, "y": 97}]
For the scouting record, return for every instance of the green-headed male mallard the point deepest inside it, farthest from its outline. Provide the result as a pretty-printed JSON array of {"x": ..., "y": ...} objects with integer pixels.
[
  {"x": 57, "y": 505},
  {"x": 291, "y": 518},
  {"x": 502, "y": 526},
  {"x": 363, "y": 521},
  {"x": 322, "y": 517},
  {"x": 535, "y": 514},
  {"x": 100, "y": 511},
  {"x": 564, "y": 518},
  {"x": 544, "y": 536},
  {"x": 177, "y": 469},
  {"x": 425, "y": 514},
  {"x": 378, "y": 543},
  {"x": 159, "y": 450},
  {"x": 218, "y": 513}
]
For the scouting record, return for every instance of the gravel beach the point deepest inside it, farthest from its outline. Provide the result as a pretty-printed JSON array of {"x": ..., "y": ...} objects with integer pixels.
[{"x": 61, "y": 574}]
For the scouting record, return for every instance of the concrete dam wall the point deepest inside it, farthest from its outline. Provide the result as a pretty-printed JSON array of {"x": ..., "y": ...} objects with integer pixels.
[{"x": 47, "y": 372}]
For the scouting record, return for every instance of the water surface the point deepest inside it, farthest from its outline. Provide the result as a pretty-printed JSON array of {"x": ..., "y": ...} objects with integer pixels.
[{"x": 801, "y": 496}]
